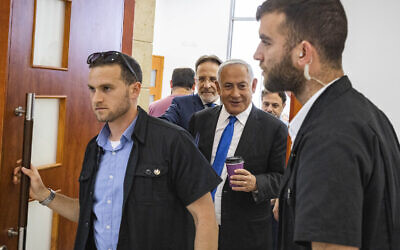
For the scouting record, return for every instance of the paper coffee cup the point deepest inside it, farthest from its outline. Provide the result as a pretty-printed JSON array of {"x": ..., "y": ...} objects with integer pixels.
[{"x": 233, "y": 163}]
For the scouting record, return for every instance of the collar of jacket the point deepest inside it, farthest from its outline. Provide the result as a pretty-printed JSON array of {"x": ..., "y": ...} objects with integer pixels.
[{"x": 140, "y": 130}]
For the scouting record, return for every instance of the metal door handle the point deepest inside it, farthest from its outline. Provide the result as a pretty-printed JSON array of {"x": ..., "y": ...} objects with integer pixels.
[
  {"x": 19, "y": 111},
  {"x": 3, "y": 247},
  {"x": 12, "y": 233}
]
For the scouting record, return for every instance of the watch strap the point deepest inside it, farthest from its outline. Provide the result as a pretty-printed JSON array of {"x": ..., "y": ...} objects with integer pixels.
[{"x": 49, "y": 198}]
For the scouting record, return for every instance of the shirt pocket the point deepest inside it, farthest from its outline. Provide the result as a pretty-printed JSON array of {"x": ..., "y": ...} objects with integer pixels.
[
  {"x": 151, "y": 184},
  {"x": 84, "y": 180},
  {"x": 85, "y": 176}
]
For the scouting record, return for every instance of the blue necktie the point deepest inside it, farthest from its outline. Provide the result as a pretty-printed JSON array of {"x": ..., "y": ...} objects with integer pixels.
[
  {"x": 223, "y": 147},
  {"x": 210, "y": 105}
]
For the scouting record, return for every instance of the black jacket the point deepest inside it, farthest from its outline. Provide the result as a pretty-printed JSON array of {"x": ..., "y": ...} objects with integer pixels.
[{"x": 165, "y": 173}]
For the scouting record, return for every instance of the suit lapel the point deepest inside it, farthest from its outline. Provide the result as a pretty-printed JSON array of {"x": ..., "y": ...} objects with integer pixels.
[
  {"x": 197, "y": 103},
  {"x": 249, "y": 133},
  {"x": 207, "y": 133}
]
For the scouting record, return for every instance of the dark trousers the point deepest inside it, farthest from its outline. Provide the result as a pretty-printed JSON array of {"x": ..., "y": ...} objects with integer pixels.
[{"x": 274, "y": 233}]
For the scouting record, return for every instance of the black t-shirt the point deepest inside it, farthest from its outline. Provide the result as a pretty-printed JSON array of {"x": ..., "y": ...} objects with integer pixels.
[{"x": 334, "y": 189}]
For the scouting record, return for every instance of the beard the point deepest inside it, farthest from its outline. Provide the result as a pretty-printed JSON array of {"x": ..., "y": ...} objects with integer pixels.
[
  {"x": 122, "y": 108},
  {"x": 209, "y": 97},
  {"x": 285, "y": 77}
]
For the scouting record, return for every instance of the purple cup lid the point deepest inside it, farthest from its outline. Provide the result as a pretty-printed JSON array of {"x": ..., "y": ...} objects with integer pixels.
[{"x": 234, "y": 160}]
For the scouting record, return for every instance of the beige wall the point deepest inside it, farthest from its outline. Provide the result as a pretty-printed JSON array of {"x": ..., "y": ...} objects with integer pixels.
[{"x": 142, "y": 48}]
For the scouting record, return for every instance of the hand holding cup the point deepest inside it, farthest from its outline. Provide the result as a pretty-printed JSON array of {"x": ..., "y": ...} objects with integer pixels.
[{"x": 239, "y": 178}]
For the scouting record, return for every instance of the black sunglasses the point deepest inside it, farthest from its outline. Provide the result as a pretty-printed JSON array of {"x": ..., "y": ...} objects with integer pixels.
[{"x": 110, "y": 56}]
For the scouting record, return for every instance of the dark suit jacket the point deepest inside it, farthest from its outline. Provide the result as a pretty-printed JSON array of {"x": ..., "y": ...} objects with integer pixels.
[
  {"x": 246, "y": 224},
  {"x": 182, "y": 108}
]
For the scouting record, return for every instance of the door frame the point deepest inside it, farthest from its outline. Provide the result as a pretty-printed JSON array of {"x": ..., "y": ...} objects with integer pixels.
[{"x": 6, "y": 66}]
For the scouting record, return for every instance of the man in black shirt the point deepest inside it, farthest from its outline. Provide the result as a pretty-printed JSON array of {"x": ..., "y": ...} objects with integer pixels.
[
  {"x": 143, "y": 181},
  {"x": 340, "y": 189}
]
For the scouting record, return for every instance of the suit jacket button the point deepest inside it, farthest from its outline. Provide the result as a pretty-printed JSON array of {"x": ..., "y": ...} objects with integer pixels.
[{"x": 148, "y": 171}]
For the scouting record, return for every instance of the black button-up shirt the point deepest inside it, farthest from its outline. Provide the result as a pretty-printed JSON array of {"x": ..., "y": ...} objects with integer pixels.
[
  {"x": 165, "y": 173},
  {"x": 342, "y": 181}
]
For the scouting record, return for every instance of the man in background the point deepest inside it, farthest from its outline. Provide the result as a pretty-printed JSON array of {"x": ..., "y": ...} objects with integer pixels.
[
  {"x": 183, "y": 107},
  {"x": 273, "y": 102},
  {"x": 342, "y": 182},
  {"x": 182, "y": 83},
  {"x": 237, "y": 128}
]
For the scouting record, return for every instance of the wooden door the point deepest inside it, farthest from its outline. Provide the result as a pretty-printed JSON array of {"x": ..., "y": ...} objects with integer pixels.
[
  {"x": 157, "y": 70},
  {"x": 95, "y": 25}
]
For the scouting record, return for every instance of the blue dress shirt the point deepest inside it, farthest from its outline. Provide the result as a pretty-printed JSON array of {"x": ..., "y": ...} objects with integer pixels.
[{"x": 109, "y": 187}]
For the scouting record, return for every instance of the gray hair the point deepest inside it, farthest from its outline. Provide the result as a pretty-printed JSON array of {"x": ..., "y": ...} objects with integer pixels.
[{"x": 232, "y": 62}]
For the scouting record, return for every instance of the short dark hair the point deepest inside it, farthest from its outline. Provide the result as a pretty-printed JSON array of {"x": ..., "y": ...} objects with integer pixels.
[
  {"x": 121, "y": 59},
  {"x": 208, "y": 58},
  {"x": 281, "y": 94},
  {"x": 183, "y": 77},
  {"x": 321, "y": 22}
]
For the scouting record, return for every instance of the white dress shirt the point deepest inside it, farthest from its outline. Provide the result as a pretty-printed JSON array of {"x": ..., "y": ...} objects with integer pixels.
[
  {"x": 297, "y": 121},
  {"x": 223, "y": 121},
  {"x": 216, "y": 102}
]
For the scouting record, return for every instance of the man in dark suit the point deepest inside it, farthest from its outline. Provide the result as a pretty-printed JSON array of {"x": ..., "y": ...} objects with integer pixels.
[
  {"x": 342, "y": 182},
  {"x": 182, "y": 83},
  {"x": 243, "y": 212},
  {"x": 183, "y": 107}
]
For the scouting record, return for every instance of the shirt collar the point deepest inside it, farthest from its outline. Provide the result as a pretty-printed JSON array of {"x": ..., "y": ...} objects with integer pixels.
[
  {"x": 242, "y": 117},
  {"x": 105, "y": 132},
  {"x": 102, "y": 138},
  {"x": 216, "y": 102},
  {"x": 129, "y": 131},
  {"x": 297, "y": 121}
]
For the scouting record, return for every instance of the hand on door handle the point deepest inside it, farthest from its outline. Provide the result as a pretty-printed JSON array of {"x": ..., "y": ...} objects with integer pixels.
[
  {"x": 16, "y": 178},
  {"x": 38, "y": 190}
]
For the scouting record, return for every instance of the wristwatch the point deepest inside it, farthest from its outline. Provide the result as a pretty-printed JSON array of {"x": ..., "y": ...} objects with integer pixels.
[{"x": 49, "y": 198}]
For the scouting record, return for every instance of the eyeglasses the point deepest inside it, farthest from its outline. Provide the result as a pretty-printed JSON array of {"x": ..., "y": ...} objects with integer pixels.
[
  {"x": 110, "y": 56},
  {"x": 204, "y": 79}
]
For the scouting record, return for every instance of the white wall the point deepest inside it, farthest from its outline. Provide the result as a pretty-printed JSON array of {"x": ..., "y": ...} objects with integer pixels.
[
  {"x": 186, "y": 29},
  {"x": 372, "y": 53}
]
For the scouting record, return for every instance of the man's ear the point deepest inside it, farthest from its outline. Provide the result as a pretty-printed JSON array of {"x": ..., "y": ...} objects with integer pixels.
[
  {"x": 134, "y": 90},
  {"x": 303, "y": 53},
  {"x": 194, "y": 85},
  {"x": 283, "y": 105},
  {"x": 254, "y": 85},
  {"x": 170, "y": 84}
]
